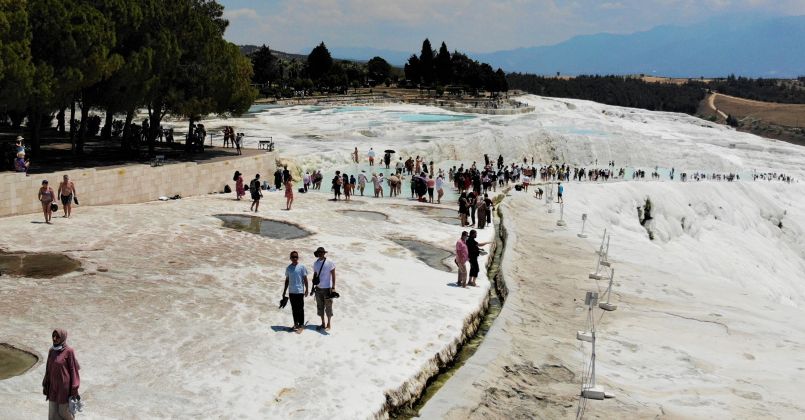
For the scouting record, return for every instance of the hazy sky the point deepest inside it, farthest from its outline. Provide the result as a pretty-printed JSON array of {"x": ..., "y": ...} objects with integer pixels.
[{"x": 467, "y": 25}]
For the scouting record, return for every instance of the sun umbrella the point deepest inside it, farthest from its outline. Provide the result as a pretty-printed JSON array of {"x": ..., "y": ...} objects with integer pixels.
[{"x": 389, "y": 151}]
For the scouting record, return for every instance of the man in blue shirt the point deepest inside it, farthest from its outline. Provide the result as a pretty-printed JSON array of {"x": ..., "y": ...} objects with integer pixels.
[
  {"x": 560, "y": 192},
  {"x": 296, "y": 286}
]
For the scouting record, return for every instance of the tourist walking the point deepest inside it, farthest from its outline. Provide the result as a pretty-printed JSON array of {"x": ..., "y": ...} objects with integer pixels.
[
  {"x": 461, "y": 260},
  {"x": 560, "y": 191},
  {"x": 474, "y": 250},
  {"x": 67, "y": 193},
  {"x": 324, "y": 280},
  {"x": 362, "y": 181},
  {"x": 61, "y": 380},
  {"x": 46, "y": 197},
  {"x": 239, "y": 190},
  {"x": 439, "y": 188},
  {"x": 463, "y": 209},
  {"x": 288, "y": 193},
  {"x": 297, "y": 287},
  {"x": 257, "y": 193},
  {"x": 472, "y": 204}
]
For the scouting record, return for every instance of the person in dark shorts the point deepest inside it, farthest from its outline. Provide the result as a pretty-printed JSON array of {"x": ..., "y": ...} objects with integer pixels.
[
  {"x": 67, "y": 194},
  {"x": 337, "y": 181},
  {"x": 257, "y": 194},
  {"x": 474, "y": 250}
]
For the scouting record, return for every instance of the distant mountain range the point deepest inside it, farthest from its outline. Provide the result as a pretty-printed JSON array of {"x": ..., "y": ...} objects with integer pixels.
[{"x": 742, "y": 45}]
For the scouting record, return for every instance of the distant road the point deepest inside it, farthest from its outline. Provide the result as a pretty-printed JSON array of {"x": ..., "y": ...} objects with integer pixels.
[{"x": 711, "y": 102}]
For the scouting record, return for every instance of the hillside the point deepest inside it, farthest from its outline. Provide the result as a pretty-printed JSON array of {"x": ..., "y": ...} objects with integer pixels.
[
  {"x": 748, "y": 46},
  {"x": 772, "y": 120}
]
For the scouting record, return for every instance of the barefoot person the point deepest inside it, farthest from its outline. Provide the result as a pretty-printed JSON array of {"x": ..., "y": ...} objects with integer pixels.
[
  {"x": 61, "y": 380},
  {"x": 371, "y": 155},
  {"x": 46, "y": 197},
  {"x": 362, "y": 182},
  {"x": 296, "y": 285},
  {"x": 288, "y": 193},
  {"x": 439, "y": 188},
  {"x": 324, "y": 271},
  {"x": 257, "y": 194},
  {"x": 239, "y": 190},
  {"x": 67, "y": 193},
  {"x": 461, "y": 260},
  {"x": 474, "y": 250}
]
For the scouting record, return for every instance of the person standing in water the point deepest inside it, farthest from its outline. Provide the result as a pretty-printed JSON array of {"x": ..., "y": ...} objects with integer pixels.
[
  {"x": 297, "y": 287},
  {"x": 337, "y": 181},
  {"x": 355, "y": 155},
  {"x": 67, "y": 194},
  {"x": 362, "y": 181},
  {"x": 371, "y": 155},
  {"x": 61, "y": 380},
  {"x": 46, "y": 197}
]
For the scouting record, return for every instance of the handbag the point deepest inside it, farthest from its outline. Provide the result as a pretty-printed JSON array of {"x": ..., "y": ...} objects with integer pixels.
[
  {"x": 54, "y": 207},
  {"x": 75, "y": 199},
  {"x": 316, "y": 276}
]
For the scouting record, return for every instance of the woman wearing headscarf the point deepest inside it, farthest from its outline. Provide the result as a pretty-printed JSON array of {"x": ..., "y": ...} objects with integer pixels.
[
  {"x": 61, "y": 377},
  {"x": 239, "y": 190}
]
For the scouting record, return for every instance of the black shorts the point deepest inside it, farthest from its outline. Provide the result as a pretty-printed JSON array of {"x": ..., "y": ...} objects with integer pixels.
[
  {"x": 474, "y": 269},
  {"x": 256, "y": 196},
  {"x": 66, "y": 200}
]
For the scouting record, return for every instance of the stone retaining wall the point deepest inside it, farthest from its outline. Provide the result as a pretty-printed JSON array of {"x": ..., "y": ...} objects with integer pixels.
[{"x": 136, "y": 183}]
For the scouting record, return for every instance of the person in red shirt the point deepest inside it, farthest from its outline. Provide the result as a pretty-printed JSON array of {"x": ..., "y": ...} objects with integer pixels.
[{"x": 61, "y": 377}]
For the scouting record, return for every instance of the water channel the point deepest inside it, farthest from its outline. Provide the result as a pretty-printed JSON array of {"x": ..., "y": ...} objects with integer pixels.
[{"x": 497, "y": 293}]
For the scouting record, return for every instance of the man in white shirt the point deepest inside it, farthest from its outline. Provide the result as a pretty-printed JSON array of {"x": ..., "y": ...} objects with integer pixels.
[
  {"x": 400, "y": 166},
  {"x": 324, "y": 270},
  {"x": 371, "y": 155}
]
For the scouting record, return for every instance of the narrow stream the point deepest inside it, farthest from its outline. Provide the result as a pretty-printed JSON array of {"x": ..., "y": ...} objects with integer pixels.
[{"x": 497, "y": 295}]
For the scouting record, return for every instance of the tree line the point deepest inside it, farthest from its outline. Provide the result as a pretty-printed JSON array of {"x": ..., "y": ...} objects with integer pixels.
[
  {"x": 282, "y": 77},
  {"x": 614, "y": 90},
  {"x": 767, "y": 90},
  {"x": 433, "y": 69},
  {"x": 118, "y": 56}
]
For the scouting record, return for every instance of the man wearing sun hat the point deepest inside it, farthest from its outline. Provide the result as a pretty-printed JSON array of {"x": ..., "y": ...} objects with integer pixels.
[{"x": 324, "y": 273}]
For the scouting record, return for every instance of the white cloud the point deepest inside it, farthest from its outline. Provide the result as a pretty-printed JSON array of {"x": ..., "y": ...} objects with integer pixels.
[{"x": 236, "y": 14}]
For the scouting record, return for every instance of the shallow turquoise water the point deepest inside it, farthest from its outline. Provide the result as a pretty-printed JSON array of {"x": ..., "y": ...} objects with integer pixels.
[
  {"x": 430, "y": 118},
  {"x": 352, "y": 109},
  {"x": 257, "y": 108}
]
